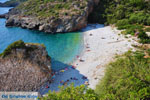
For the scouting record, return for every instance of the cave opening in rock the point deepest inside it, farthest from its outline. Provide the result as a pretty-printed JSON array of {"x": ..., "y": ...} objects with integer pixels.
[{"x": 98, "y": 14}]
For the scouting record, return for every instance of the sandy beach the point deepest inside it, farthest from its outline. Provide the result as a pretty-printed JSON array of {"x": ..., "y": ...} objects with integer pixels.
[{"x": 101, "y": 45}]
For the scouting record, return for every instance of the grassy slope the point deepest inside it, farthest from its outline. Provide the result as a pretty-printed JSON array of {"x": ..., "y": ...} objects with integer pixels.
[
  {"x": 53, "y": 8},
  {"x": 128, "y": 78}
]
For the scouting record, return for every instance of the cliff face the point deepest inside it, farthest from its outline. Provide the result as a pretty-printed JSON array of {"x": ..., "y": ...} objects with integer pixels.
[
  {"x": 51, "y": 16},
  {"x": 24, "y": 67}
]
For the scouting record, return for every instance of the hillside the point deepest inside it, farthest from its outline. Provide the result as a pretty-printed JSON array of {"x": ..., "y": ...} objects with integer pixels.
[
  {"x": 127, "y": 77},
  {"x": 51, "y": 16},
  {"x": 131, "y": 15},
  {"x": 24, "y": 67},
  {"x": 11, "y": 3}
]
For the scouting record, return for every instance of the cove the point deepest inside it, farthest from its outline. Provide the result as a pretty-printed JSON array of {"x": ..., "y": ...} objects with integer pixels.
[{"x": 61, "y": 47}]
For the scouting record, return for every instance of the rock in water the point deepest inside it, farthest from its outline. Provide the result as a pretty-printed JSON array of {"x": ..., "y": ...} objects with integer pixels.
[
  {"x": 53, "y": 16},
  {"x": 24, "y": 67},
  {"x": 2, "y": 16}
]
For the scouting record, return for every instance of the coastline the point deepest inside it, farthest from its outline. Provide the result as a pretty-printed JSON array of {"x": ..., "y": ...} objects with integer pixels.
[
  {"x": 100, "y": 46},
  {"x": 96, "y": 54}
]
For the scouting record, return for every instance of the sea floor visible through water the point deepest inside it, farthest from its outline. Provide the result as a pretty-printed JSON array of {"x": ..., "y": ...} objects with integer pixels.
[
  {"x": 62, "y": 48},
  {"x": 76, "y": 57},
  {"x": 101, "y": 45}
]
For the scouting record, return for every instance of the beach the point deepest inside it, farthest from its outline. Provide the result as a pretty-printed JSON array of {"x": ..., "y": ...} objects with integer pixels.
[{"x": 101, "y": 45}]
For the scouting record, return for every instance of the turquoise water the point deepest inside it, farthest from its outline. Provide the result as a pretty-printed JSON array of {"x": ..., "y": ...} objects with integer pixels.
[
  {"x": 61, "y": 47},
  {"x": 3, "y": 0}
]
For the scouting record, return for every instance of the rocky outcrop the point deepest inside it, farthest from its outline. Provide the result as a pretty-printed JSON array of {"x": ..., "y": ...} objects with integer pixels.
[
  {"x": 57, "y": 16},
  {"x": 2, "y": 16},
  {"x": 24, "y": 67},
  {"x": 11, "y": 3}
]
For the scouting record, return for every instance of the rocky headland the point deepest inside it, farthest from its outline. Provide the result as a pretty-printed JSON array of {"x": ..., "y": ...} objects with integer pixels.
[
  {"x": 11, "y": 3},
  {"x": 24, "y": 67},
  {"x": 53, "y": 16}
]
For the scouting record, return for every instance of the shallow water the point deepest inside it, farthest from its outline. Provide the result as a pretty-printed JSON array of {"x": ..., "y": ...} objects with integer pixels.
[
  {"x": 3, "y": 1},
  {"x": 61, "y": 47}
]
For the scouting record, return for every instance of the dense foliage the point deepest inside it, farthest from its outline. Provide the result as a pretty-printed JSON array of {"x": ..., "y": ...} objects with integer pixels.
[
  {"x": 128, "y": 78},
  {"x": 72, "y": 93},
  {"x": 132, "y": 15}
]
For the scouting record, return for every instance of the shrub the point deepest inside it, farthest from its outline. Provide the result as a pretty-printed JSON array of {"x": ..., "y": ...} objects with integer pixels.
[
  {"x": 72, "y": 93},
  {"x": 123, "y": 24},
  {"x": 147, "y": 29},
  {"x": 128, "y": 78},
  {"x": 139, "y": 18},
  {"x": 144, "y": 38},
  {"x": 17, "y": 44},
  {"x": 148, "y": 20}
]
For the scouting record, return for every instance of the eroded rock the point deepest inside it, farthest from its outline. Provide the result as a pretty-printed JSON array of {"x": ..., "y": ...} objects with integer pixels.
[
  {"x": 64, "y": 20},
  {"x": 24, "y": 67}
]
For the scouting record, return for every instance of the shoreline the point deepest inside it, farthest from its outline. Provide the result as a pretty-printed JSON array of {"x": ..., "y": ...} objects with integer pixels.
[
  {"x": 100, "y": 46},
  {"x": 96, "y": 54}
]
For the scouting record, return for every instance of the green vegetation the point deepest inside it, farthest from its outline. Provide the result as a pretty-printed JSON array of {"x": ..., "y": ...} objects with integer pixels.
[
  {"x": 131, "y": 15},
  {"x": 20, "y": 45},
  {"x": 147, "y": 29},
  {"x": 128, "y": 78},
  {"x": 72, "y": 93},
  {"x": 52, "y": 8},
  {"x": 11, "y": 3},
  {"x": 17, "y": 44}
]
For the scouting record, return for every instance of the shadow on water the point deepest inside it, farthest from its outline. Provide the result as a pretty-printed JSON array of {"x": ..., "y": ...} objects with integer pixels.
[
  {"x": 71, "y": 75},
  {"x": 64, "y": 76},
  {"x": 57, "y": 65}
]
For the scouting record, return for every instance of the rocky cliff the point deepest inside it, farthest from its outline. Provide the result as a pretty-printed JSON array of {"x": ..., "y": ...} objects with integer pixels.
[
  {"x": 52, "y": 16},
  {"x": 24, "y": 67},
  {"x": 11, "y": 3}
]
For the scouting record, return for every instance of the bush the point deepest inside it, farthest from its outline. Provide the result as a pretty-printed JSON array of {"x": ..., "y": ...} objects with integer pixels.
[
  {"x": 148, "y": 20},
  {"x": 123, "y": 24},
  {"x": 140, "y": 4},
  {"x": 131, "y": 29},
  {"x": 128, "y": 78},
  {"x": 139, "y": 18},
  {"x": 147, "y": 29},
  {"x": 17, "y": 44},
  {"x": 144, "y": 38},
  {"x": 72, "y": 93}
]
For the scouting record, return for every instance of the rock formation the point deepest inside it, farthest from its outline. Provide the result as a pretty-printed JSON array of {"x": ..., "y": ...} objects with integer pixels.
[
  {"x": 51, "y": 16},
  {"x": 11, "y": 3},
  {"x": 24, "y": 67}
]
